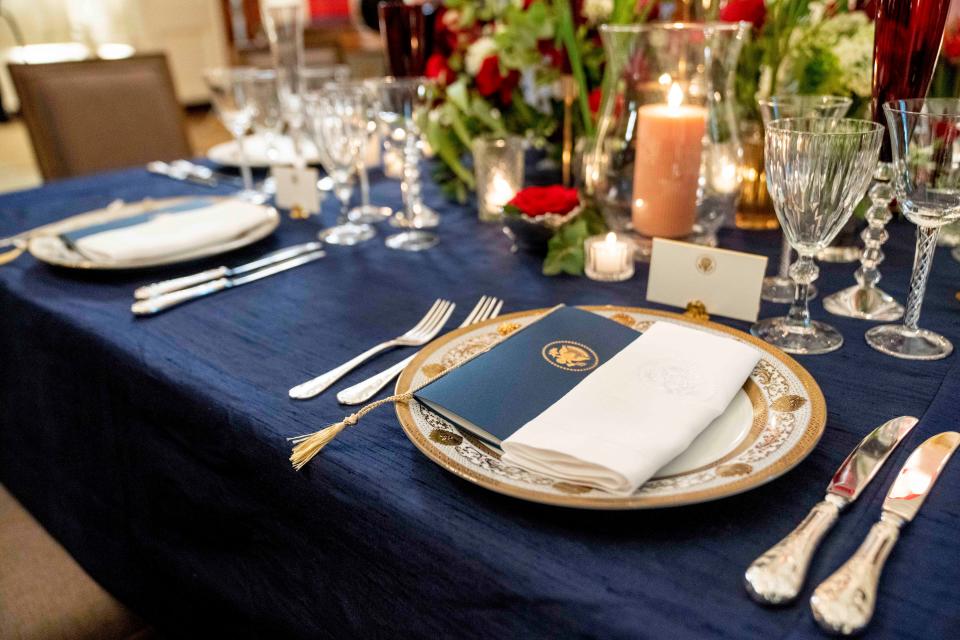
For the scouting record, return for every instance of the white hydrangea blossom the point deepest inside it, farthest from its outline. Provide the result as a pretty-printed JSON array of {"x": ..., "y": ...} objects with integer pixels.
[
  {"x": 596, "y": 11},
  {"x": 480, "y": 50}
]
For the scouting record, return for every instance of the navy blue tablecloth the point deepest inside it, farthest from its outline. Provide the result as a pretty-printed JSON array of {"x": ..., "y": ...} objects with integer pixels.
[{"x": 154, "y": 450}]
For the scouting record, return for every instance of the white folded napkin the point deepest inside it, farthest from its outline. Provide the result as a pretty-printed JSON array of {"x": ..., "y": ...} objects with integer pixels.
[
  {"x": 636, "y": 412},
  {"x": 168, "y": 234}
]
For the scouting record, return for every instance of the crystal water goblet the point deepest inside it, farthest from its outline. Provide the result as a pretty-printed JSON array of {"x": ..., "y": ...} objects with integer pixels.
[
  {"x": 230, "y": 91},
  {"x": 925, "y": 143},
  {"x": 267, "y": 114},
  {"x": 780, "y": 288},
  {"x": 336, "y": 120},
  {"x": 817, "y": 171},
  {"x": 400, "y": 102},
  {"x": 366, "y": 212},
  {"x": 291, "y": 91}
]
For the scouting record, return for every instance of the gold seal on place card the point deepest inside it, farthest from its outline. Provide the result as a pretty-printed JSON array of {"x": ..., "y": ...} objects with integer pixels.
[{"x": 726, "y": 283}]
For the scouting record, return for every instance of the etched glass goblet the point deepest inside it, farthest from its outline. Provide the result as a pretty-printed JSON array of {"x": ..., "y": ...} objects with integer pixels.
[
  {"x": 780, "y": 288},
  {"x": 925, "y": 140},
  {"x": 230, "y": 91},
  {"x": 336, "y": 120},
  {"x": 817, "y": 171}
]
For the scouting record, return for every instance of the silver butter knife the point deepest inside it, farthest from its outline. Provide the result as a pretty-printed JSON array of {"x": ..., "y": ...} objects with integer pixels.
[
  {"x": 777, "y": 576},
  {"x": 844, "y": 602},
  {"x": 174, "y": 284},
  {"x": 160, "y": 303}
]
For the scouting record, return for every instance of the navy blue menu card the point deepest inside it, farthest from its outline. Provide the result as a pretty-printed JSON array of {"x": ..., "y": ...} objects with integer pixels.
[{"x": 501, "y": 390}]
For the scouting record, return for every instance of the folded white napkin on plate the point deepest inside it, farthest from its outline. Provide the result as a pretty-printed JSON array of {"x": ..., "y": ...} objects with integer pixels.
[
  {"x": 636, "y": 412},
  {"x": 169, "y": 234}
]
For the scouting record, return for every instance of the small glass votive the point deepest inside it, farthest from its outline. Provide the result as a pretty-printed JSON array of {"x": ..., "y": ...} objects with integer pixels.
[
  {"x": 608, "y": 258},
  {"x": 498, "y": 164}
]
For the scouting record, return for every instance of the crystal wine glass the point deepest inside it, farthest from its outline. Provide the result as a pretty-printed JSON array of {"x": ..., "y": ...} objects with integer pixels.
[
  {"x": 336, "y": 119},
  {"x": 925, "y": 142},
  {"x": 291, "y": 91},
  {"x": 817, "y": 170},
  {"x": 399, "y": 102},
  {"x": 230, "y": 89},
  {"x": 780, "y": 288},
  {"x": 366, "y": 212},
  {"x": 267, "y": 115}
]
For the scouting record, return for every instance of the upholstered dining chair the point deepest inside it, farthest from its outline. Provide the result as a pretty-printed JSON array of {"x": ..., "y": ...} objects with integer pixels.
[{"x": 95, "y": 115}]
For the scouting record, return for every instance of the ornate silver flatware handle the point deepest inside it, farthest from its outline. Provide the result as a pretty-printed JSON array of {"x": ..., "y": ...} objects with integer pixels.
[
  {"x": 777, "y": 576},
  {"x": 174, "y": 284},
  {"x": 161, "y": 303},
  {"x": 363, "y": 391},
  {"x": 317, "y": 385},
  {"x": 844, "y": 602}
]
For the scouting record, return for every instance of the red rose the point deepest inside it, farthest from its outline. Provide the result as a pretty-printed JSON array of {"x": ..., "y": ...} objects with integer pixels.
[
  {"x": 551, "y": 53},
  {"x": 537, "y": 201},
  {"x": 438, "y": 69},
  {"x": 489, "y": 80},
  {"x": 753, "y": 11},
  {"x": 654, "y": 13}
]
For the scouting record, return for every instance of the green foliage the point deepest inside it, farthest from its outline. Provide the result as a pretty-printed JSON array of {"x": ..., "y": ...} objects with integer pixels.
[{"x": 565, "y": 248}]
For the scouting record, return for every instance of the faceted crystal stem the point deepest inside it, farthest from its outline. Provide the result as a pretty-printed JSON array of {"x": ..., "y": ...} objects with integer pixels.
[
  {"x": 922, "y": 261},
  {"x": 364, "y": 183},
  {"x": 410, "y": 185},
  {"x": 868, "y": 275},
  {"x": 804, "y": 271}
]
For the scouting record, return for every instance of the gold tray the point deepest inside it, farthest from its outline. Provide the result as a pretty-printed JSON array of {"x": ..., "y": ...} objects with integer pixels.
[{"x": 772, "y": 424}]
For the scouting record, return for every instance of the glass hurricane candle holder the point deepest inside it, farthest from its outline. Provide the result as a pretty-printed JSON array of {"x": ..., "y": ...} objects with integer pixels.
[
  {"x": 667, "y": 127},
  {"x": 498, "y": 164},
  {"x": 608, "y": 258}
]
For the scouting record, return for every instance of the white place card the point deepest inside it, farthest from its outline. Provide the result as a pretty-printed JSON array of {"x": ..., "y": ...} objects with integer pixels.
[
  {"x": 297, "y": 188},
  {"x": 727, "y": 282}
]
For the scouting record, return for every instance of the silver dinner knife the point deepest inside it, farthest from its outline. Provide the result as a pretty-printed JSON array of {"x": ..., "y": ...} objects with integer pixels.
[
  {"x": 167, "y": 300},
  {"x": 777, "y": 576},
  {"x": 844, "y": 602},
  {"x": 175, "y": 284}
]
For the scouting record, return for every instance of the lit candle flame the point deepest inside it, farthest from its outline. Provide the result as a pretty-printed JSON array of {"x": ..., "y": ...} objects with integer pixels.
[
  {"x": 611, "y": 238},
  {"x": 674, "y": 96}
]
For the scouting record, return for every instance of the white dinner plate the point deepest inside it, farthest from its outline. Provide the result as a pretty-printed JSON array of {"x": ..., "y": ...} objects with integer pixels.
[
  {"x": 771, "y": 425},
  {"x": 51, "y": 249},
  {"x": 259, "y": 152}
]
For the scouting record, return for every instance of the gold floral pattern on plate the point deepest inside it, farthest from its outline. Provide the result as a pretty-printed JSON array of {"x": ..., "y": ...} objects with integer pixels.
[{"x": 788, "y": 407}]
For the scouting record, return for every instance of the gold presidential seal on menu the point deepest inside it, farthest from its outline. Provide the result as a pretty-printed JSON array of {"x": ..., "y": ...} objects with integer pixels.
[{"x": 570, "y": 356}]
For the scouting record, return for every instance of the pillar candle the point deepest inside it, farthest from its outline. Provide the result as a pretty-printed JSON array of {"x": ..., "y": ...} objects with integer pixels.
[{"x": 667, "y": 166}]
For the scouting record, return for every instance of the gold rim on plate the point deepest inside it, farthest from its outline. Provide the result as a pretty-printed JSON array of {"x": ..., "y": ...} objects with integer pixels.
[{"x": 742, "y": 476}]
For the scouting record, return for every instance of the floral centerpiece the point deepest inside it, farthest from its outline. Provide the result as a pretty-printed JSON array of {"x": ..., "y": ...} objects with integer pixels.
[
  {"x": 803, "y": 47},
  {"x": 498, "y": 64},
  {"x": 553, "y": 219}
]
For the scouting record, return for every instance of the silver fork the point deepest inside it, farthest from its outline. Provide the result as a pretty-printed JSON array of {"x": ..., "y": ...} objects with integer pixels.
[
  {"x": 488, "y": 307},
  {"x": 422, "y": 333}
]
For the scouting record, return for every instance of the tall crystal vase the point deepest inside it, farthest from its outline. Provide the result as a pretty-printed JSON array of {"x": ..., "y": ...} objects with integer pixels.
[{"x": 667, "y": 150}]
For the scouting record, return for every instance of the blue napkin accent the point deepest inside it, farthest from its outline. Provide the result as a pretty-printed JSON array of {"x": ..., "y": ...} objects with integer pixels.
[
  {"x": 70, "y": 237},
  {"x": 510, "y": 385}
]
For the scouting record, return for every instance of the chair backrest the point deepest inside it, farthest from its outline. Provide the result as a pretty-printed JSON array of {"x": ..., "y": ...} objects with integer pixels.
[{"x": 96, "y": 115}]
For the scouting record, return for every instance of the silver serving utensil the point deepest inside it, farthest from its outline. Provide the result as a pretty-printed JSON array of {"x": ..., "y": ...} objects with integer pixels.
[
  {"x": 777, "y": 576},
  {"x": 166, "y": 286},
  {"x": 204, "y": 172},
  {"x": 160, "y": 303},
  {"x": 844, "y": 602},
  {"x": 487, "y": 307},
  {"x": 421, "y": 333}
]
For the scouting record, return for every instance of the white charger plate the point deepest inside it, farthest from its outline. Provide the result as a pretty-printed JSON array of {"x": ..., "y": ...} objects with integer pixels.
[
  {"x": 258, "y": 152},
  {"x": 772, "y": 424},
  {"x": 49, "y": 248}
]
